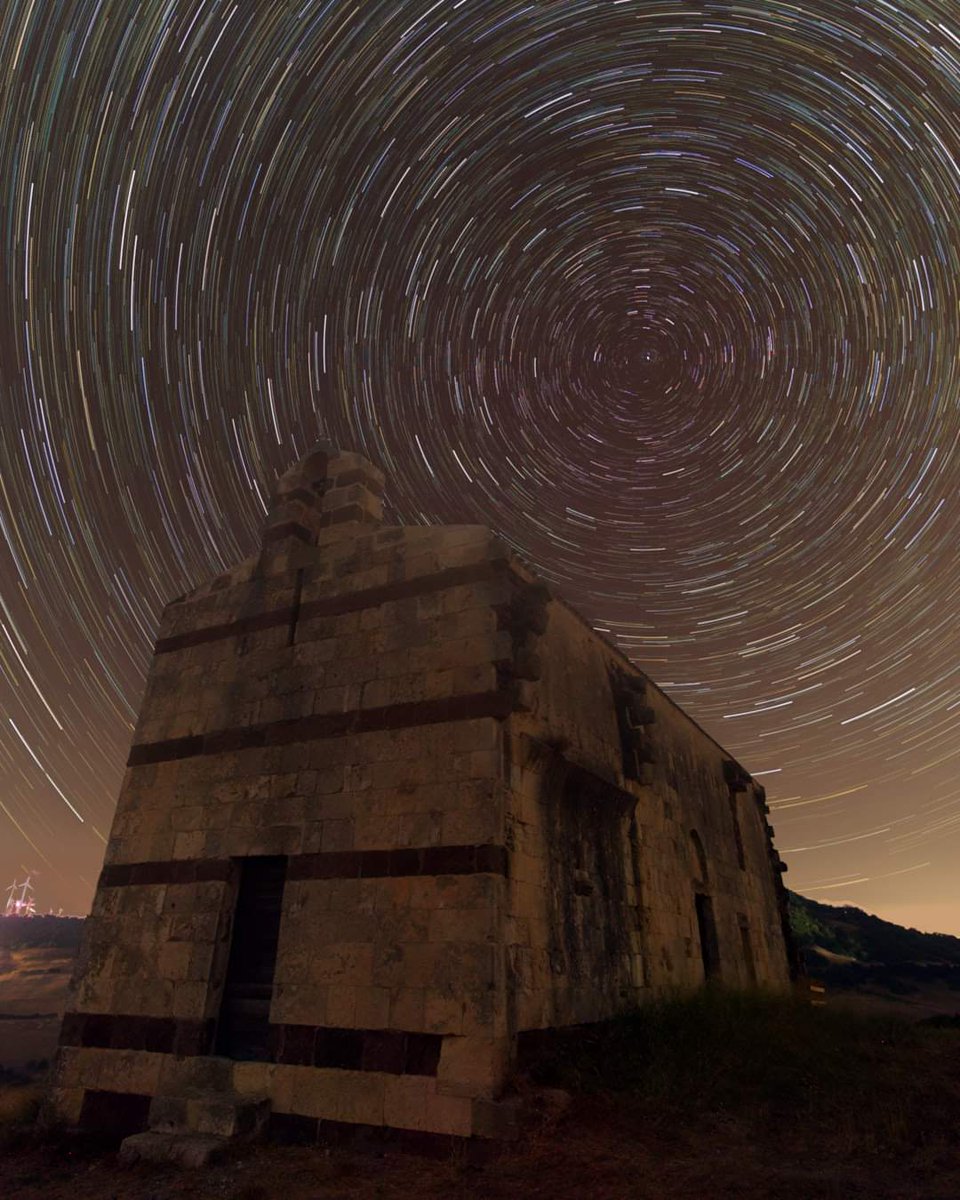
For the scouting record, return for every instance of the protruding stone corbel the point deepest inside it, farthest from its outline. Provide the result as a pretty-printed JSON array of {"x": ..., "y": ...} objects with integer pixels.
[
  {"x": 634, "y": 718},
  {"x": 736, "y": 777},
  {"x": 524, "y": 616}
]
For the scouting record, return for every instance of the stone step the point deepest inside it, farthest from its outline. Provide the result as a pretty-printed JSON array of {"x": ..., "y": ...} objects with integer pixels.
[
  {"x": 219, "y": 1114},
  {"x": 192, "y": 1150}
]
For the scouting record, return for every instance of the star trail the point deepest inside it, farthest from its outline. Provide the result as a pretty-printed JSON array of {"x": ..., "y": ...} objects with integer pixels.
[{"x": 664, "y": 291}]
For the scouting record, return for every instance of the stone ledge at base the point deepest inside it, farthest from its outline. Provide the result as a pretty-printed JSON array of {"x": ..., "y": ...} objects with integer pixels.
[
  {"x": 192, "y": 1150},
  {"x": 497, "y": 1123},
  {"x": 195, "y": 1127},
  {"x": 216, "y": 1114}
]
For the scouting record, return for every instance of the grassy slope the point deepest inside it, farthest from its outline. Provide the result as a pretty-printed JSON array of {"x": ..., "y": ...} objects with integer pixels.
[{"x": 774, "y": 1061}]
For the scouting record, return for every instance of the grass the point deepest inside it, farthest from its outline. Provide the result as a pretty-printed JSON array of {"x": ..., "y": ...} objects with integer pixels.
[
  {"x": 856, "y": 1084},
  {"x": 19, "y": 1105}
]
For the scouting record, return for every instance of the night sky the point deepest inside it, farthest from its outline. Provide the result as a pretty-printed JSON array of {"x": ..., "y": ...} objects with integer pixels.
[{"x": 664, "y": 291}]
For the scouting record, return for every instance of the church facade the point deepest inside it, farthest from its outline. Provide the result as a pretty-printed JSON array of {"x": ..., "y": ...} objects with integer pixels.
[{"x": 392, "y": 806}]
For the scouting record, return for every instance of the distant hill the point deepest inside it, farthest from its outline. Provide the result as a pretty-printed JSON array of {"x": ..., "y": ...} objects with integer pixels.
[
  {"x": 850, "y": 950},
  {"x": 22, "y": 933},
  {"x": 850, "y": 931}
]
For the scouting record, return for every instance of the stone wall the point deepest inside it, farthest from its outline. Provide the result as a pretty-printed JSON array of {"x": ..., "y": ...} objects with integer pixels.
[
  {"x": 623, "y": 814},
  {"x": 488, "y": 822},
  {"x": 344, "y": 713}
]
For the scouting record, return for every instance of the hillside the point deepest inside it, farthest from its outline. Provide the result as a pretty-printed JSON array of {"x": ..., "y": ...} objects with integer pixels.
[
  {"x": 45, "y": 932},
  {"x": 875, "y": 962}
]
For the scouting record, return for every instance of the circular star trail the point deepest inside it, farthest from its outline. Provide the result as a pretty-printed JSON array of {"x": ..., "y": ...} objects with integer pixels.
[{"x": 665, "y": 291}]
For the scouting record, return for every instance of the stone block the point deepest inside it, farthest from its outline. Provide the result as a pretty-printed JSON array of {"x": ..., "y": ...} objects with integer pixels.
[
  {"x": 129, "y": 1071},
  {"x": 341, "y": 1006},
  {"x": 377, "y": 693},
  {"x": 189, "y": 1150},
  {"x": 463, "y": 925},
  {"x": 252, "y": 1078},
  {"x": 407, "y": 1008},
  {"x": 372, "y": 1008},
  {"x": 282, "y": 1088},
  {"x": 360, "y": 1098},
  {"x": 189, "y": 999},
  {"x": 418, "y": 828},
  {"x": 228, "y": 1116},
  {"x": 297, "y": 1002},
  {"x": 337, "y": 835},
  {"x": 472, "y": 1066},
  {"x": 169, "y": 1114},
  {"x": 78, "y": 1066},
  {"x": 63, "y": 1107},
  {"x": 442, "y": 1014},
  {"x": 174, "y": 961},
  {"x": 449, "y": 1114},
  {"x": 480, "y": 825},
  {"x": 405, "y": 1101},
  {"x": 343, "y": 963},
  {"x": 374, "y": 830},
  {"x": 477, "y": 764}
]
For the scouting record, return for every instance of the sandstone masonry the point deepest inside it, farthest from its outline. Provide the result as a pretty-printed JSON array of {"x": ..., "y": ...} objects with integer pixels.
[{"x": 390, "y": 808}]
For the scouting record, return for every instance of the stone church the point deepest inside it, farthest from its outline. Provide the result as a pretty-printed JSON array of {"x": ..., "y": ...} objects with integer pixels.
[{"x": 391, "y": 807}]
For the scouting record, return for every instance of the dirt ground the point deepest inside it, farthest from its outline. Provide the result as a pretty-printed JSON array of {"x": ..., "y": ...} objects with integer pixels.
[
  {"x": 928, "y": 1001},
  {"x": 597, "y": 1149}
]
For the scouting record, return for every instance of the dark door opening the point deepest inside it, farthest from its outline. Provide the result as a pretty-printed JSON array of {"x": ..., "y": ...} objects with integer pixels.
[
  {"x": 244, "y": 1026},
  {"x": 746, "y": 946},
  {"x": 707, "y": 926}
]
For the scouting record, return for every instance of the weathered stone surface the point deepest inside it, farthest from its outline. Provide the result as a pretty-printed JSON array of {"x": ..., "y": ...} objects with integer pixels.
[
  {"x": 190, "y": 1150},
  {"x": 490, "y": 823}
]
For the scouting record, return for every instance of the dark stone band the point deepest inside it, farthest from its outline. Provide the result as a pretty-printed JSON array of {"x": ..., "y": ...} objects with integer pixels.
[
  {"x": 342, "y": 864},
  {"x": 497, "y": 704},
  {"x": 392, "y": 1052},
  {"x": 193, "y": 870},
  {"x": 278, "y": 533},
  {"x": 397, "y": 863},
  {"x": 157, "y": 1035},
  {"x": 335, "y": 606}
]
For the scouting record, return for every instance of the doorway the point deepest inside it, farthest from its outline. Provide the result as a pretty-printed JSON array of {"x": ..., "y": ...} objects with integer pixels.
[
  {"x": 244, "y": 1026},
  {"x": 707, "y": 927}
]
